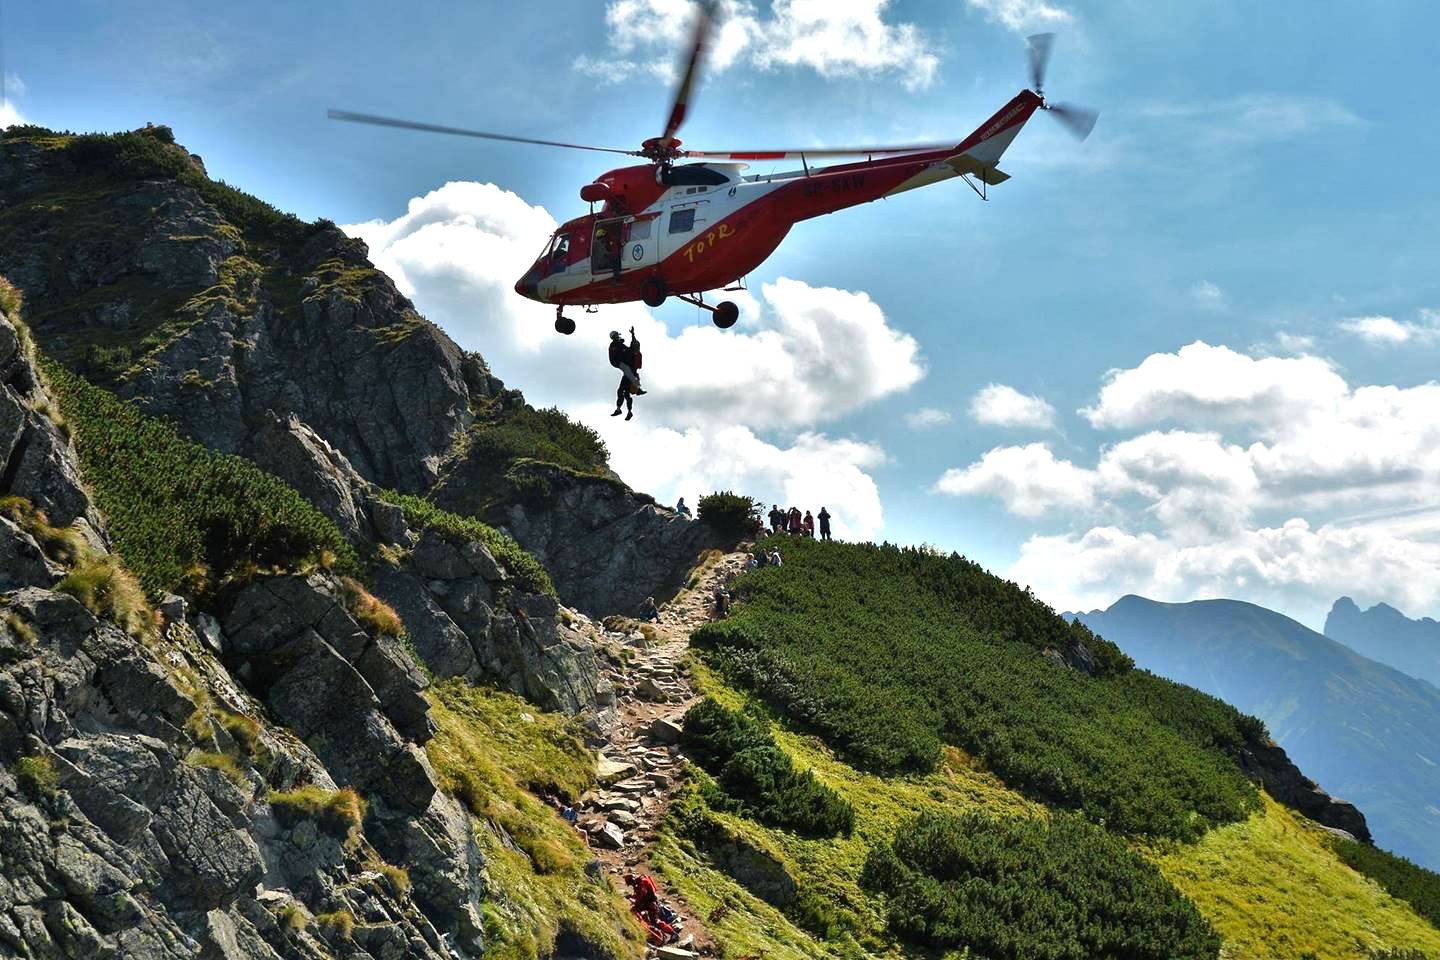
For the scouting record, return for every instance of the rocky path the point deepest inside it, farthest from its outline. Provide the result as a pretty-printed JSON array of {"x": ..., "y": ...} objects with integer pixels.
[{"x": 639, "y": 767}]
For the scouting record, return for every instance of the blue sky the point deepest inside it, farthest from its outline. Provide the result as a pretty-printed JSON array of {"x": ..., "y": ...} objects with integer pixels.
[{"x": 1258, "y": 182}]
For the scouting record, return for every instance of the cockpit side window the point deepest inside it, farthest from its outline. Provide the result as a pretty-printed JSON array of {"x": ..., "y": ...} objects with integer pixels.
[{"x": 559, "y": 250}]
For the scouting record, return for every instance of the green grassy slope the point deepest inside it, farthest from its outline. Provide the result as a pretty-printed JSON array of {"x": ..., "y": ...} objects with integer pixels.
[
  {"x": 892, "y": 654},
  {"x": 1267, "y": 881}
]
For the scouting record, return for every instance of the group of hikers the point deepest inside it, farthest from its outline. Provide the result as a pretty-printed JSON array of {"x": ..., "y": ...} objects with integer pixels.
[{"x": 792, "y": 522}]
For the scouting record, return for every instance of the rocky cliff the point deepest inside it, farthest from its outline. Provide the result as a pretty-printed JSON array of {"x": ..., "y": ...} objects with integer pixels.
[
  {"x": 246, "y": 774},
  {"x": 260, "y": 335}
]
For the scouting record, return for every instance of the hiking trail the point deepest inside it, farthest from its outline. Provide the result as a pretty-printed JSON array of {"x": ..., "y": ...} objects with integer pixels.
[{"x": 640, "y": 766}]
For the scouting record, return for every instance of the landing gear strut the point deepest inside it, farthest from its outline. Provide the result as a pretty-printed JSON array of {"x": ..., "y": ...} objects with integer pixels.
[
  {"x": 563, "y": 324},
  {"x": 725, "y": 313}
]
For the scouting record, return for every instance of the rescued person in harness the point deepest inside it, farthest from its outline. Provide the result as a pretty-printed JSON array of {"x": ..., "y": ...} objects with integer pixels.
[{"x": 626, "y": 359}]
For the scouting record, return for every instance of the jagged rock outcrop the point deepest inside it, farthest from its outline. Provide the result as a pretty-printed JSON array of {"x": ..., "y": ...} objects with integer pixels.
[
  {"x": 1269, "y": 765},
  {"x": 606, "y": 547},
  {"x": 302, "y": 324},
  {"x": 138, "y": 816},
  {"x": 34, "y": 462},
  {"x": 466, "y": 620}
]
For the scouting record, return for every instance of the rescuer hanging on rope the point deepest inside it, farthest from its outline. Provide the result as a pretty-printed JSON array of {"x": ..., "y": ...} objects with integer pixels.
[{"x": 626, "y": 359}]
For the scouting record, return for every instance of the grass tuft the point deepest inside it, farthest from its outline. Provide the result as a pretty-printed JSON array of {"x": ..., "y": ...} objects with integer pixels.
[
  {"x": 338, "y": 813},
  {"x": 22, "y": 631},
  {"x": 373, "y": 613},
  {"x": 398, "y": 878},
  {"x": 37, "y": 777},
  {"x": 292, "y": 918},
  {"x": 111, "y": 592},
  {"x": 338, "y": 924},
  {"x": 218, "y": 761},
  {"x": 63, "y": 545}
]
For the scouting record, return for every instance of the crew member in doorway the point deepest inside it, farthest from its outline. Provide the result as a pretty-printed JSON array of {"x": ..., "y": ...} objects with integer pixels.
[{"x": 626, "y": 359}]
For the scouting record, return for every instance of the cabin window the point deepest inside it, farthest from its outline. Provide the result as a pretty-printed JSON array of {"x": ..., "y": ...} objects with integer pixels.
[
  {"x": 682, "y": 221},
  {"x": 692, "y": 176},
  {"x": 638, "y": 230}
]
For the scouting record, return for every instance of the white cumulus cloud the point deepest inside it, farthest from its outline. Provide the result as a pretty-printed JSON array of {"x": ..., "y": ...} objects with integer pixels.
[
  {"x": 1388, "y": 332},
  {"x": 832, "y": 37},
  {"x": 927, "y": 418},
  {"x": 1029, "y": 480},
  {"x": 1270, "y": 479},
  {"x": 1022, "y": 15},
  {"x": 1208, "y": 385},
  {"x": 10, "y": 86},
  {"x": 998, "y": 405},
  {"x": 801, "y": 357}
]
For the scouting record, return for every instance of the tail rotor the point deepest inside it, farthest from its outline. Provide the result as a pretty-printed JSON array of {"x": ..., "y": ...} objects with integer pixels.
[{"x": 1078, "y": 121}]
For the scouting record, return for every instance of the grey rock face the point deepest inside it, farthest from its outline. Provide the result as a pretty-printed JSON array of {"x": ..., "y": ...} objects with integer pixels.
[
  {"x": 343, "y": 691},
  {"x": 465, "y": 621},
  {"x": 333, "y": 342},
  {"x": 1273, "y": 769},
  {"x": 606, "y": 547},
  {"x": 35, "y": 454}
]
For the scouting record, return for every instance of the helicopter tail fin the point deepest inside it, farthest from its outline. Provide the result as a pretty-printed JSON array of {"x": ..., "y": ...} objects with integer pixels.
[{"x": 991, "y": 139}]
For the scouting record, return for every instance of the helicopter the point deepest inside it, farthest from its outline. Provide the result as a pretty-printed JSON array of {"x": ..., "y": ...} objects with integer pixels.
[{"x": 670, "y": 229}]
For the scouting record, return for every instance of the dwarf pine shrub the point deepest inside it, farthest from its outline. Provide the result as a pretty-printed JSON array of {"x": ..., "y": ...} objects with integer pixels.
[
  {"x": 184, "y": 518},
  {"x": 1028, "y": 889},
  {"x": 756, "y": 778},
  {"x": 892, "y": 654}
]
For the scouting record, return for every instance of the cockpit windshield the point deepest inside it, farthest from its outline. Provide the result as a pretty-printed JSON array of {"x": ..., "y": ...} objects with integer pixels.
[{"x": 556, "y": 253}]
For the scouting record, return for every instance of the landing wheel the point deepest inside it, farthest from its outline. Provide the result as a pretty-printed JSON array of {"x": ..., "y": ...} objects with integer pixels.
[
  {"x": 653, "y": 292},
  {"x": 726, "y": 313},
  {"x": 564, "y": 325}
]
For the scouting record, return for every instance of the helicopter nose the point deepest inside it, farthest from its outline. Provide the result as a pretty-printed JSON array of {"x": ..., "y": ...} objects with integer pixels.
[{"x": 528, "y": 286}]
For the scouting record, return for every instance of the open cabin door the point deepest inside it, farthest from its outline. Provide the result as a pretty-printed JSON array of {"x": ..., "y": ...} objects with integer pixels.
[{"x": 628, "y": 243}]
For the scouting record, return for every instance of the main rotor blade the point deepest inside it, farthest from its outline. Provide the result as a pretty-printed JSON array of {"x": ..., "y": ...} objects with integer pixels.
[
  {"x": 370, "y": 118},
  {"x": 1038, "y": 49},
  {"x": 807, "y": 153},
  {"x": 1078, "y": 120},
  {"x": 694, "y": 60}
]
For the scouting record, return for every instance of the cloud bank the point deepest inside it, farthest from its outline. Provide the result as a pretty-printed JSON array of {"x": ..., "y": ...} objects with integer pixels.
[
  {"x": 835, "y": 38},
  {"x": 740, "y": 409},
  {"x": 1266, "y": 478}
]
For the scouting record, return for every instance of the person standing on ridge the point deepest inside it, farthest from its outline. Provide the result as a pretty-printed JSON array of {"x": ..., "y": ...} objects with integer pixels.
[
  {"x": 808, "y": 525},
  {"x": 626, "y": 359},
  {"x": 824, "y": 524},
  {"x": 775, "y": 518}
]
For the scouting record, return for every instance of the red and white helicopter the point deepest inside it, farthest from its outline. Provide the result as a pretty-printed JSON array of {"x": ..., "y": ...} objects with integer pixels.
[{"x": 670, "y": 229}]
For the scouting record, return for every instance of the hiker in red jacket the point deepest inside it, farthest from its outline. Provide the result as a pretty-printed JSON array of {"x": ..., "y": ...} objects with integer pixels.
[
  {"x": 626, "y": 359},
  {"x": 645, "y": 904}
]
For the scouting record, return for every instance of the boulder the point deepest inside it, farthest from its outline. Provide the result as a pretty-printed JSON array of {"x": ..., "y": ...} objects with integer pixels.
[
  {"x": 606, "y": 547},
  {"x": 611, "y": 837},
  {"x": 664, "y": 731},
  {"x": 608, "y": 771},
  {"x": 439, "y": 641}
]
